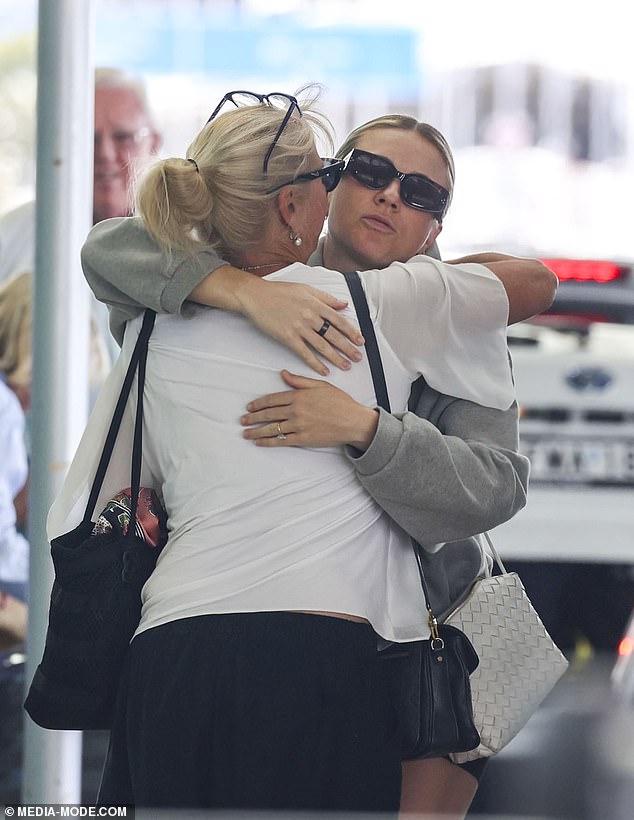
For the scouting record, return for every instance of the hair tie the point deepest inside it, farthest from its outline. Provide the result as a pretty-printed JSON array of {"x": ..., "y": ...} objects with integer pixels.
[{"x": 194, "y": 163}]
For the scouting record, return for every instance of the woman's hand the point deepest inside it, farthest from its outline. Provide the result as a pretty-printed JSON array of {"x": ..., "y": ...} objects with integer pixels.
[
  {"x": 303, "y": 318},
  {"x": 313, "y": 414},
  {"x": 294, "y": 314}
]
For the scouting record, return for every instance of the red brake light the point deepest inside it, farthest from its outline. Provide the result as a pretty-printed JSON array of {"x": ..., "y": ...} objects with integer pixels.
[
  {"x": 584, "y": 270},
  {"x": 626, "y": 647}
]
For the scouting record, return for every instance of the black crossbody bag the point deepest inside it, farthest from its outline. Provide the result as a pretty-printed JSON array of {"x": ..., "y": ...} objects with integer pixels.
[
  {"x": 428, "y": 679},
  {"x": 95, "y": 602}
]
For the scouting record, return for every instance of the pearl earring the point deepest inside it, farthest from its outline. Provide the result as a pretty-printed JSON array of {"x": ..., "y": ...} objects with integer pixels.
[{"x": 296, "y": 239}]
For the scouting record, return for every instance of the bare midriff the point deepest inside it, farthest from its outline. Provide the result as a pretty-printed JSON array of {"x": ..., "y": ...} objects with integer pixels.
[{"x": 342, "y": 615}]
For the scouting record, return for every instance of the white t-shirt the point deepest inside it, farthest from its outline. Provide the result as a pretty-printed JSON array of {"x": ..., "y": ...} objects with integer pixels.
[{"x": 254, "y": 529}]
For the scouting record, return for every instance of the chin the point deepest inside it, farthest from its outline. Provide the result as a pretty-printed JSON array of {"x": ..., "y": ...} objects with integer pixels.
[
  {"x": 109, "y": 211},
  {"x": 378, "y": 262},
  {"x": 376, "y": 256}
]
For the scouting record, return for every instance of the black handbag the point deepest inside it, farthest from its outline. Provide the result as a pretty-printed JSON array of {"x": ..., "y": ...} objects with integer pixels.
[
  {"x": 428, "y": 679},
  {"x": 95, "y": 602}
]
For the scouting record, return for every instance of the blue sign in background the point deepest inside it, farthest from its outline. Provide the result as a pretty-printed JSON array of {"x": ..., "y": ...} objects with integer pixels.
[{"x": 151, "y": 40}]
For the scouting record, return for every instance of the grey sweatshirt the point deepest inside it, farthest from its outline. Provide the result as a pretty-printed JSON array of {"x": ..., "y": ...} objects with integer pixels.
[{"x": 444, "y": 471}]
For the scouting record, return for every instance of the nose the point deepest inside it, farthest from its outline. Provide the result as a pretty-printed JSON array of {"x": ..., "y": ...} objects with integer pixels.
[
  {"x": 105, "y": 148},
  {"x": 391, "y": 194}
]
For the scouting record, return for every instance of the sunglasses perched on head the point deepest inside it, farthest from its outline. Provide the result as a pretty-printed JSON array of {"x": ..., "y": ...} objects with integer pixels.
[
  {"x": 277, "y": 99},
  {"x": 330, "y": 174},
  {"x": 417, "y": 190}
]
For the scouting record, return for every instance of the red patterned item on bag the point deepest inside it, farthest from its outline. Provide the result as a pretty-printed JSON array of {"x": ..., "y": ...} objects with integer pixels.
[{"x": 151, "y": 519}]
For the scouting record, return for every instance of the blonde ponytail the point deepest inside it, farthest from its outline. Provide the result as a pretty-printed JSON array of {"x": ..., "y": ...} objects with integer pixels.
[{"x": 175, "y": 204}]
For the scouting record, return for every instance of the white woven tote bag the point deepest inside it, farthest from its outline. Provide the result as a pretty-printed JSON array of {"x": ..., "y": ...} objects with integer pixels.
[{"x": 519, "y": 662}]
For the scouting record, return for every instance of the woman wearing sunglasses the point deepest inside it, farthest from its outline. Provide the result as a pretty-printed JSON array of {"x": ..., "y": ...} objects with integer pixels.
[
  {"x": 280, "y": 710},
  {"x": 448, "y": 454}
]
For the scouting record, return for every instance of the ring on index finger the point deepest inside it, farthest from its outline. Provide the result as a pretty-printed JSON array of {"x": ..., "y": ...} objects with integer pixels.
[
  {"x": 324, "y": 328},
  {"x": 280, "y": 432}
]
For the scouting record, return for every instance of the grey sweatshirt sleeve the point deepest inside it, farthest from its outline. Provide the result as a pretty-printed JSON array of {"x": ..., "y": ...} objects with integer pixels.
[
  {"x": 128, "y": 271},
  {"x": 447, "y": 471}
]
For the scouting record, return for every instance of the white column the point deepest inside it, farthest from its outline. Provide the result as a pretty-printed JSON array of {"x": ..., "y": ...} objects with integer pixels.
[{"x": 52, "y": 762}]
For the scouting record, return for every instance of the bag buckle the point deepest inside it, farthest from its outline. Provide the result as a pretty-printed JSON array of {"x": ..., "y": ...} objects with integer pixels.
[{"x": 436, "y": 642}]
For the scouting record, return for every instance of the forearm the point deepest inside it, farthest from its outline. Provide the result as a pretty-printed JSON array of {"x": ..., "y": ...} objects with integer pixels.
[
  {"x": 481, "y": 258},
  {"x": 529, "y": 284},
  {"x": 441, "y": 486},
  {"x": 229, "y": 288}
]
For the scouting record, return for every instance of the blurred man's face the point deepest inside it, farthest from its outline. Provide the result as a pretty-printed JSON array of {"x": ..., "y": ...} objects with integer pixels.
[{"x": 124, "y": 141}]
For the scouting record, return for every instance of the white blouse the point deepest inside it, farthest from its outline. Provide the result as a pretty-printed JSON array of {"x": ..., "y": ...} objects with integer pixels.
[{"x": 255, "y": 529}]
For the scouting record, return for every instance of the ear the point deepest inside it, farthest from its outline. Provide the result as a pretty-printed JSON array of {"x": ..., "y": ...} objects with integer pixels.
[
  {"x": 434, "y": 231},
  {"x": 157, "y": 141},
  {"x": 286, "y": 204}
]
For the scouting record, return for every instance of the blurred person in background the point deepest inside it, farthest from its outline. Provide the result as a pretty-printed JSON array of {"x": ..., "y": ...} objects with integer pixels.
[
  {"x": 14, "y": 568},
  {"x": 17, "y": 241},
  {"x": 125, "y": 139},
  {"x": 15, "y": 365},
  {"x": 407, "y": 460},
  {"x": 16, "y": 362}
]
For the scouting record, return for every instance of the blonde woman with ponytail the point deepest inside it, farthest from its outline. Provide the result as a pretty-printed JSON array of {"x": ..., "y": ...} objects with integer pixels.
[{"x": 253, "y": 679}]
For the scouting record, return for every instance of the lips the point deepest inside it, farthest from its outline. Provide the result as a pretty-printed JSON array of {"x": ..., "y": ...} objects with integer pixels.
[
  {"x": 104, "y": 178},
  {"x": 379, "y": 223}
]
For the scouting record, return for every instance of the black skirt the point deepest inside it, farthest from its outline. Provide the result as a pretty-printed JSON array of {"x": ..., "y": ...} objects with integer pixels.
[{"x": 254, "y": 711}]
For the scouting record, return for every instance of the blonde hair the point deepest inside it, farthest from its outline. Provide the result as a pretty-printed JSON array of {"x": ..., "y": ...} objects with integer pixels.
[
  {"x": 219, "y": 196},
  {"x": 405, "y": 123},
  {"x": 16, "y": 340},
  {"x": 15, "y": 330}
]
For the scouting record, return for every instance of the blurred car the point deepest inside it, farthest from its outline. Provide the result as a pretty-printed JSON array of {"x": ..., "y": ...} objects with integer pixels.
[
  {"x": 573, "y": 546},
  {"x": 574, "y": 372},
  {"x": 623, "y": 671}
]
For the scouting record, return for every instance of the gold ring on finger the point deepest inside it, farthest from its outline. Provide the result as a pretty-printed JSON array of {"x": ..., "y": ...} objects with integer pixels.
[{"x": 280, "y": 432}]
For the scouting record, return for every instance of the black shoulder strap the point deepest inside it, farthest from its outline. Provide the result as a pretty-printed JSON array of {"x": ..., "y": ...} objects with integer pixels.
[
  {"x": 380, "y": 389},
  {"x": 371, "y": 347},
  {"x": 138, "y": 358}
]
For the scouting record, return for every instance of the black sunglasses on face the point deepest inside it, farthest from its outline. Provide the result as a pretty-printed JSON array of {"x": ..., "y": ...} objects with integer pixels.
[
  {"x": 276, "y": 99},
  {"x": 330, "y": 174},
  {"x": 416, "y": 190}
]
